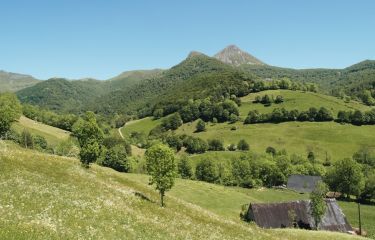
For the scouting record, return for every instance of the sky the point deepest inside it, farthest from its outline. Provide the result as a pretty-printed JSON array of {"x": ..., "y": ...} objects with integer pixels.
[{"x": 100, "y": 39}]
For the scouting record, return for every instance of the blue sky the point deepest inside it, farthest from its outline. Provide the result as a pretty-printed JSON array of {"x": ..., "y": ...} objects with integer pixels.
[{"x": 100, "y": 39}]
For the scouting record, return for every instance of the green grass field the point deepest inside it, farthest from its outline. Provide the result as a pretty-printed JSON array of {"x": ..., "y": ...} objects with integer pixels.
[
  {"x": 339, "y": 141},
  {"x": 144, "y": 125},
  {"x": 51, "y": 134},
  {"x": 49, "y": 197},
  {"x": 301, "y": 101}
]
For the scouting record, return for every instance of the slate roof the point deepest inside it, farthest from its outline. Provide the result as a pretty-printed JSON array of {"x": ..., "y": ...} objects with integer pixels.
[
  {"x": 278, "y": 215},
  {"x": 302, "y": 183}
]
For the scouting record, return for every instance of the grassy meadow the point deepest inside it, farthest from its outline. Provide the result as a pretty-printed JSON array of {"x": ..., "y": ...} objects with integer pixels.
[
  {"x": 49, "y": 197},
  {"x": 299, "y": 100}
]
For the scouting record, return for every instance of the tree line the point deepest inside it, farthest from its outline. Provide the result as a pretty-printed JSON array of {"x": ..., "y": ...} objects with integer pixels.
[{"x": 282, "y": 115}]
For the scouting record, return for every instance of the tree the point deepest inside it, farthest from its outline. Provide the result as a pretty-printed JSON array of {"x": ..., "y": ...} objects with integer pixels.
[
  {"x": 279, "y": 99},
  {"x": 90, "y": 138},
  {"x": 10, "y": 111},
  {"x": 116, "y": 158},
  {"x": 206, "y": 170},
  {"x": 185, "y": 168},
  {"x": 346, "y": 176},
  {"x": 253, "y": 117},
  {"x": 195, "y": 145},
  {"x": 215, "y": 145},
  {"x": 318, "y": 204},
  {"x": 324, "y": 115},
  {"x": 158, "y": 113},
  {"x": 172, "y": 122},
  {"x": 201, "y": 126},
  {"x": 160, "y": 163},
  {"x": 243, "y": 145},
  {"x": 26, "y": 139},
  {"x": 266, "y": 100}
]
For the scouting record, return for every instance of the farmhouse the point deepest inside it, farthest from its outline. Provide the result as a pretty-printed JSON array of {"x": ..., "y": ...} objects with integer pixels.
[
  {"x": 302, "y": 183},
  {"x": 297, "y": 214}
]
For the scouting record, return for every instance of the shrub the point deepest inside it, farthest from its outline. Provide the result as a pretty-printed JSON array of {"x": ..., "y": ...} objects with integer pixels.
[
  {"x": 271, "y": 150},
  {"x": 243, "y": 145},
  {"x": 40, "y": 142},
  {"x": 279, "y": 99},
  {"x": 232, "y": 147},
  {"x": 215, "y": 145},
  {"x": 201, "y": 126},
  {"x": 195, "y": 145}
]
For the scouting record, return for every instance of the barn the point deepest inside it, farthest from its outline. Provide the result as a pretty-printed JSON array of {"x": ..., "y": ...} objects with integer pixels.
[
  {"x": 302, "y": 183},
  {"x": 297, "y": 214}
]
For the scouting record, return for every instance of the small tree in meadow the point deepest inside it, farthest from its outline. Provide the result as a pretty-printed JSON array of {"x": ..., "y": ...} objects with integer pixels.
[{"x": 160, "y": 162}]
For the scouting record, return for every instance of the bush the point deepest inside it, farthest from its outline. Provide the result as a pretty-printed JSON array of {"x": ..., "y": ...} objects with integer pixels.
[
  {"x": 40, "y": 142},
  {"x": 172, "y": 122},
  {"x": 232, "y": 147},
  {"x": 201, "y": 126},
  {"x": 271, "y": 150},
  {"x": 215, "y": 145},
  {"x": 243, "y": 145},
  {"x": 174, "y": 142},
  {"x": 195, "y": 145}
]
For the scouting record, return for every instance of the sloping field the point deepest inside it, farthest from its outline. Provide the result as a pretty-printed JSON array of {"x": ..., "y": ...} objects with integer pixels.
[
  {"x": 301, "y": 101},
  {"x": 50, "y": 197},
  {"x": 51, "y": 134}
]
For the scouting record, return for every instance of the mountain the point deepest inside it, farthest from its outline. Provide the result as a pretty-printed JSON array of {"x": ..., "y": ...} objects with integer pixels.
[
  {"x": 13, "y": 82},
  {"x": 234, "y": 56},
  {"x": 198, "y": 76}
]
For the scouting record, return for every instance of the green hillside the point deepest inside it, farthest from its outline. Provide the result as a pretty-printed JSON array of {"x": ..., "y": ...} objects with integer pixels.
[
  {"x": 51, "y": 134},
  {"x": 299, "y": 100},
  {"x": 49, "y": 197},
  {"x": 336, "y": 140}
]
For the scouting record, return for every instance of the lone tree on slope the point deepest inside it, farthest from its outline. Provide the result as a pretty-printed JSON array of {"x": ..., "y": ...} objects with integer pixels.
[{"x": 160, "y": 162}]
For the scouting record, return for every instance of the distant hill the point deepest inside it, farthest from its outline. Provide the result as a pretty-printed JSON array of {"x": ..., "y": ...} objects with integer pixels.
[
  {"x": 130, "y": 78},
  {"x": 76, "y": 96},
  {"x": 234, "y": 56},
  {"x": 13, "y": 82},
  {"x": 63, "y": 95},
  {"x": 198, "y": 76}
]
